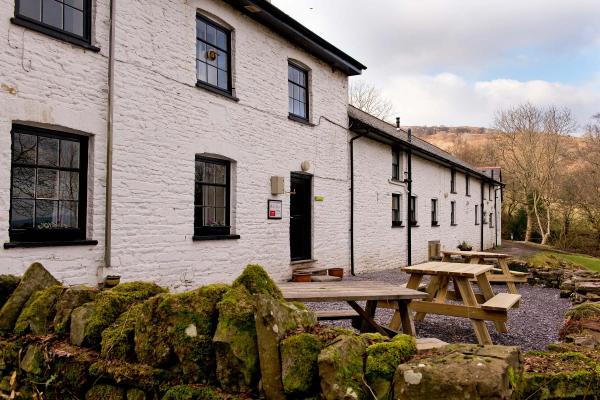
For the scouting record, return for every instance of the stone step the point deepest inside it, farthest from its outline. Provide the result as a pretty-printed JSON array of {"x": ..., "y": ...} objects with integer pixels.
[{"x": 424, "y": 344}]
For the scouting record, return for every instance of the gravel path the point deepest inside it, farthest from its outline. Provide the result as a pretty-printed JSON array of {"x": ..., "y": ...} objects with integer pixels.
[{"x": 532, "y": 326}]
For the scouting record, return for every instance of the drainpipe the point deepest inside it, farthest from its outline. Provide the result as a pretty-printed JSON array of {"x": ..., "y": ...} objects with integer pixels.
[
  {"x": 482, "y": 213},
  {"x": 109, "y": 138},
  {"x": 409, "y": 184},
  {"x": 352, "y": 204}
]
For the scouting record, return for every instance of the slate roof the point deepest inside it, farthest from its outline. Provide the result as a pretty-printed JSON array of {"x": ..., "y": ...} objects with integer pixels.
[{"x": 360, "y": 119}]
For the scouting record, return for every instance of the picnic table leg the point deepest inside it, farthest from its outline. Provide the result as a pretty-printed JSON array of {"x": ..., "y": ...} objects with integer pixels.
[
  {"x": 408, "y": 326},
  {"x": 466, "y": 291},
  {"x": 413, "y": 283},
  {"x": 432, "y": 290},
  {"x": 446, "y": 258},
  {"x": 512, "y": 287},
  {"x": 368, "y": 319},
  {"x": 476, "y": 260},
  {"x": 488, "y": 293},
  {"x": 370, "y": 309}
]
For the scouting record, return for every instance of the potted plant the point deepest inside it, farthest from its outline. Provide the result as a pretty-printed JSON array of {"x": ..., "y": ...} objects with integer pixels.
[{"x": 464, "y": 246}]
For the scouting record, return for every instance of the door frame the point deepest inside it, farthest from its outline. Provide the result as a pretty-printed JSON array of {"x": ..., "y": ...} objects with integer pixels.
[{"x": 310, "y": 178}]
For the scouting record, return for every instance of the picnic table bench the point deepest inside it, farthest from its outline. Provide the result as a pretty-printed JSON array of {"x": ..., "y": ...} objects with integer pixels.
[
  {"x": 485, "y": 306},
  {"x": 502, "y": 274},
  {"x": 374, "y": 293}
]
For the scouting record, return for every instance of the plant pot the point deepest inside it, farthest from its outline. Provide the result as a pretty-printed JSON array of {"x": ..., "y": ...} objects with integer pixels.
[
  {"x": 301, "y": 277},
  {"x": 338, "y": 272},
  {"x": 112, "y": 280}
]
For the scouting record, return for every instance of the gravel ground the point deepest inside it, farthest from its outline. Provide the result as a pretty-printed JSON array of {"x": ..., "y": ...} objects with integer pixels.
[{"x": 532, "y": 326}]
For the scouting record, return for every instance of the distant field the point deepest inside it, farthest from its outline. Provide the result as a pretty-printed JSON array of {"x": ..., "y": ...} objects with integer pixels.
[{"x": 591, "y": 263}]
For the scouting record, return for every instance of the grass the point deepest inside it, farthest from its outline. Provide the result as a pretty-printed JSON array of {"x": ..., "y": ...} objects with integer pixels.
[{"x": 550, "y": 257}]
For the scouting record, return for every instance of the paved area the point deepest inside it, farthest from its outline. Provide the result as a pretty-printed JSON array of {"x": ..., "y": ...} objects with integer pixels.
[
  {"x": 532, "y": 326},
  {"x": 520, "y": 250}
]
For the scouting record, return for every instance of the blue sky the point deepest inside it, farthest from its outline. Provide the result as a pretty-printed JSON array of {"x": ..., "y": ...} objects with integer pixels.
[{"x": 456, "y": 62}]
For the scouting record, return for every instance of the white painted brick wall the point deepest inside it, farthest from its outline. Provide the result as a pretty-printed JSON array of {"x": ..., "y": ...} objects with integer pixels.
[{"x": 63, "y": 86}]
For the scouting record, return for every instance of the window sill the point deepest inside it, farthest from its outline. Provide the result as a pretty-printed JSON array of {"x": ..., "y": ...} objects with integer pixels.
[
  {"x": 227, "y": 95},
  {"x": 398, "y": 226},
  {"x": 397, "y": 182},
  {"x": 55, "y": 34},
  {"x": 24, "y": 245},
  {"x": 300, "y": 120},
  {"x": 436, "y": 225},
  {"x": 451, "y": 192},
  {"x": 415, "y": 225},
  {"x": 453, "y": 224},
  {"x": 214, "y": 237}
]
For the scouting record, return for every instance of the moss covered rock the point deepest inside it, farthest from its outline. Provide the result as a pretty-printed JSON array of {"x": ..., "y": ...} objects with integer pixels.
[
  {"x": 235, "y": 342},
  {"x": 9, "y": 355},
  {"x": 136, "y": 394},
  {"x": 80, "y": 317},
  {"x": 460, "y": 372},
  {"x": 105, "y": 392},
  {"x": 8, "y": 284},
  {"x": 33, "y": 360},
  {"x": 584, "y": 311},
  {"x": 118, "y": 339},
  {"x": 193, "y": 392},
  {"x": 274, "y": 319},
  {"x": 560, "y": 375},
  {"x": 383, "y": 357},
  {"x": 69, "y": 300},
  {"x": 341, "y": 369},
  {"x": 299, "y": 365},
  {"x": 141, "y": 376},
  {"x": 35, "y": 278},
  {"x": 110, "y": 304},
  {"x": 256, "y": 280},
  {"x": 177, "y": 330},
  {"x": 38, "y": 313}
]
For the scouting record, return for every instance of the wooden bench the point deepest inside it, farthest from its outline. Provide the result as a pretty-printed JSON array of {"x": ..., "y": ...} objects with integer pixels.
[
  {"x": 336, "y": 315},
  {"x": 502, "y": 302}
]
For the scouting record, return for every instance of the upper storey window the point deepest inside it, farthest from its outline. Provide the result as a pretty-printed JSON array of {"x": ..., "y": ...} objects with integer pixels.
[
  {"x": 297, "y": 92},
  {"x": 213, "y": 54},
  {"x": 71, "y": 19}
]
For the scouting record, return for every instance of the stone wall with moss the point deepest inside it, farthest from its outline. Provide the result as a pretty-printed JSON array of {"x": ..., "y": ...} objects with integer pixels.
[{"x": 137, "y": 341}]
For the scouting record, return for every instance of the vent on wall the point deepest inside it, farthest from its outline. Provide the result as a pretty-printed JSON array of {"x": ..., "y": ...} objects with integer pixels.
[{"x": 435, "y": 250}]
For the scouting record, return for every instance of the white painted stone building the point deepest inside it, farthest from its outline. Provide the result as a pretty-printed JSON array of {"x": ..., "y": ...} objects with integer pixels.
[{"x": 176, "y": 121}]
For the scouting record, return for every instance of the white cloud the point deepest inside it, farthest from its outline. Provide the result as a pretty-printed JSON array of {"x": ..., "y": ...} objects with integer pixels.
[{"x": 447, "y": 99}]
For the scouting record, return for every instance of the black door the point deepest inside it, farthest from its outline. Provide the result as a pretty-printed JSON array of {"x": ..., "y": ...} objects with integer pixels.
[{"x": 300, "y": 217}]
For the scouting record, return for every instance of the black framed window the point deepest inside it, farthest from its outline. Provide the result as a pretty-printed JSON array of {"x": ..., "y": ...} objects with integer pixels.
[
  {"x": 434, "y": 212},
  {"x": 490, "y": 192},
  {"x": 452, "y": 181},
  {"x": 452, "y": 213},
  {"x": 213, "y": 55},
  {"x": 476, "y": 214},
  {"x": 413, "y": 210},
  {"x": 491, "y": 220},
  {"x": 396, "y": 207},
  {"x": 211, "y": 200},
  {"x": 396, "y": 164},
  {"x": 467, "y": 185},
  {"x": 48, "y": 200},
  {"x": 483, "y": 216},
  {"x": 297, "y": 92},
  {"x": 72, "y": 18}
]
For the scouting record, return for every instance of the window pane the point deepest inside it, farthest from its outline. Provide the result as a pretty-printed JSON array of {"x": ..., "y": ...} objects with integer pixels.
[
  {"x": 290, "y": 72},
  {"x": 74, "y": 3},
  {"x": 296, "y": 107},
  {"x": 48, "y": 151},
  {"x": 198, "y": 195},
  {"x": 53, "y": 13},
  {"x": 47, "y": 184},
  {"x": 291, "y": 105},
  {"x": 211, "y": 34},
  {"x": 74, "y": 21},
  {"x": 24, "y": 148},
  {"x": 209, "y": 50},
  {"x": 302, "y": 112},
  {"x": 31, "y": 9},
  {"x": 302, "y": 95},
  {"x": 296, "y": 93},
  {"x": 21, "y": 214},
  {"x": 223, "y": 81},
  {"x": 201, "y": 71},
  {"x": 199, "y": 171},
  {"x": 23, "y": 182},
  {"x": 200, "y": 50},
  {"x": 220, "y": 174},
  {"x": 222, "y": 40},
  {"x": 69, "y": 154},
  {"x": 67, "y": 214},
  {"x": 395, "y": 202},
  {"x": 220, "y": 216},
  {"x": 290, "y": 89},
  {"x": 209, "y": 216},
  {"x": 201, "y": 29},
  {"x": 69, "y": 186},
  {"x": 212, "y": 75},
  {"x": 222, "y": 60},
  {"x": 302, "y": 78},
  {"x": 209, "y": 173},
  {"x": 46, "y": 214},
  {"x": 220, "y": 197},
  {"x": 208, "y": 196}
]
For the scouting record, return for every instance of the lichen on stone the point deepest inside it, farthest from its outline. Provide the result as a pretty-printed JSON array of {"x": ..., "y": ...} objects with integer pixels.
[
  {"x": 194, "y": 392},
  {"x": 300, "y": 369},
  {"x": 256, "y": 280},
  {"x": 69, "y": 300},
  {"x": 105, "y": 392},
  {"x": 37, "y": 314},
  {"x": 584, "y": 311},
  {"x": 130, "y": 374},
  {"x": 8, "y": 284},
  {"x": 118, "y": 339}
]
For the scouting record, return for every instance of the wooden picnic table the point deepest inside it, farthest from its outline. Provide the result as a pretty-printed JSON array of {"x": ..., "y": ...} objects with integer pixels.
[
  {"x": 477, "y": 307},
  {"x": 373, "y": 292},
  {"x": 505, "y": 274}
]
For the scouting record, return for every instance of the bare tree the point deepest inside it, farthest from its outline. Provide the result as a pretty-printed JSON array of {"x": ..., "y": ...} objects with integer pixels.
[
  {"x": 589, "y": 174},
  {"x": 531, "y": 149},
  {"x": 368, "y": 98}
]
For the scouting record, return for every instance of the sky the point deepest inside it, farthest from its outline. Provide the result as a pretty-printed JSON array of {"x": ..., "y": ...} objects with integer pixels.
[{"x": 457, "y": 62}]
